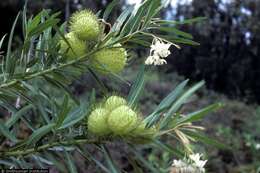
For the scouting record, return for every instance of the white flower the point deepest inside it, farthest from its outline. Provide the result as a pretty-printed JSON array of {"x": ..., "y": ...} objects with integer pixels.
[
  {"x": 159, "y": 50},
  {"x": 197, "y": 162},
  {"x": 155, "y": 59},
  {"x": 183, "y": 166},
  {"x": 179, "y": 163},
  {"x": 257, "y": 146}
]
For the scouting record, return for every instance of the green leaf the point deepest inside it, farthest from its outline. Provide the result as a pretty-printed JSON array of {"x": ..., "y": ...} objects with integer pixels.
[
  {"x": 89, "y": 156},
  {"x": 17, "y": 115},
  {"x": 198, "y": 115},
  {"x": 64, "y": 112},
  {"x": 153, "y": 9},
  {"x": 122, "y": 18},
  {"x": 145, "y": 163},
  {"x": 71, "y": 165},
  {"x": 137, "y": 87},
  {"x": 99, "y": 81},
  {"x": 134, "y": 164},
  {"x": 24, "y": 16},
  {"x": 73, "y": 118},
  {"x": 5, "y": 131},
  {"x": 203, "y": 138},
  {"x": 182, "y": 99},
  {"x": 187, "y": 21},
  {"x": 165, "y": 103},
  {"x": 39, "y": 133},
  {"x": 43, "y": 26},
  {"x": 111, "y": 164},
  {"x": 2, "y": 40},
  {"x": 62, "y": 86},
  {"x": 10, "y": 61},
  {"x": 183, "y": 41},
  {"x": 56, "y": 161},
  {"x": 7, "y": 163},
  {"x": 109, "y": 8},
  {"x": 170, "y": 149},
  {"x": 135, "y": 18},
  {"x": 34, "y": 22},
  {"x": 172, "y": 30}
]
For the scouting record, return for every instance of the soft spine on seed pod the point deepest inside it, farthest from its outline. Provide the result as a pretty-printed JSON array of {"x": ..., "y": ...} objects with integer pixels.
[
  {"x": 76, "y": 47},
  {"x": 85, "y": 25},
  {"x": 122, "y": 120},
  {"x": 114, "y": 102},
  {"x": 97, "y": 122},
  {"x": 109, "y": 60},
  {"x": 116, "y": 118}
]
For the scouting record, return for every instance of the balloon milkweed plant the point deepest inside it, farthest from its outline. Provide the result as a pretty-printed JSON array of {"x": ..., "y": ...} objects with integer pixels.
[{"x": 44, "y": 124}]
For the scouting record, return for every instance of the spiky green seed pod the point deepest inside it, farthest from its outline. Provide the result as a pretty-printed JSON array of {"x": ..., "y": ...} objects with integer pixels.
[
  {"x": 110, "y": 60},
  {"x": 97, "y": 122},
  {"x": 85, "y": 25},
  {"x": 122, "y": 120},
  {"x": 78, "y": 46},
  {"x": 114, "y": 102}
]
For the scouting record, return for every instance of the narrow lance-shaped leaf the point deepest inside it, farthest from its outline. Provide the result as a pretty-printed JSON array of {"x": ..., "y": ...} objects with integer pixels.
[
  {"x": 142, "y": 161},
  {"x": 203, "y": 138},
  {"x": 121, "y": 19},
  {"x": 137, "y": 87},
  {"x": 73, "y": 118},
  {"x": 2, "y": 40},
  {"x": 39, "y": 133},
  {"x": 170, "y": 149},
  {"x": 5, "y": 131},
  {"x": 9, "y": 61},
  {"x": 153, "y": 9},
  {"x": 109, "y": 8},
  {"x": 174, "y": 108},
  {"x": 172, "y": 30},
  {"x": 71, "y": 165},
  {"x": 186, "y": 21},
  {"x": 65, "y": 108},
  {"x": 90, "y": 157},
  {"x": 165, "y": 103},
  {"x": 16, "y": 116},
  {"x": 111, "y": 164},
  {"x": 198, "y": 115}
]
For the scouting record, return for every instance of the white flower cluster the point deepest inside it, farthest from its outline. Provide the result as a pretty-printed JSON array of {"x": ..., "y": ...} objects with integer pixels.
[
  {"x": 193, "y": 164},
  {"x": 159, "y": 50}
]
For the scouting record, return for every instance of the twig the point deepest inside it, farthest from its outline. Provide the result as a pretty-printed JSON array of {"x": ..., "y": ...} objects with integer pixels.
[{"x": 46, "y": 146}]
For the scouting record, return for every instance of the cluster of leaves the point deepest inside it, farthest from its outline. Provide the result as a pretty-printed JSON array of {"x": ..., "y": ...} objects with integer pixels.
[{"x": 35, "y": 93}]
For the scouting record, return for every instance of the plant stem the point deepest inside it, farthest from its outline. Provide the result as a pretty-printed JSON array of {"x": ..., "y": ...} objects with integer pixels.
[
  {"x": 60, "y": 66},
  {"x": 43, "y": 72},
  {"x": 46, "y": 146}
]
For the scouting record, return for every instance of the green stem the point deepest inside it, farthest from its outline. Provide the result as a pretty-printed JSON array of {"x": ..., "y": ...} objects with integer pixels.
[
  {"x": 46, "y": 146},
  {"x": 60, "y": 66},
  {"x": 43, "y": 72}
]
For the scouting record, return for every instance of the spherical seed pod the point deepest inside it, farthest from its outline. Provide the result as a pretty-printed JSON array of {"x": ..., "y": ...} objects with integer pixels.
[
  {"x": 85, "y": 25},
  {"x": 97, "y": 122},
  {"x": 114, "y": 102},
  {"x": 110, "y": 60},
  {"x": 78, "y": 47},
  {"x": 122, "y": 120}
]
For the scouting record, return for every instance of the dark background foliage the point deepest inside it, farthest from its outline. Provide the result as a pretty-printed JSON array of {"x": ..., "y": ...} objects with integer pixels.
[{"x": 228, "y": 57}]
